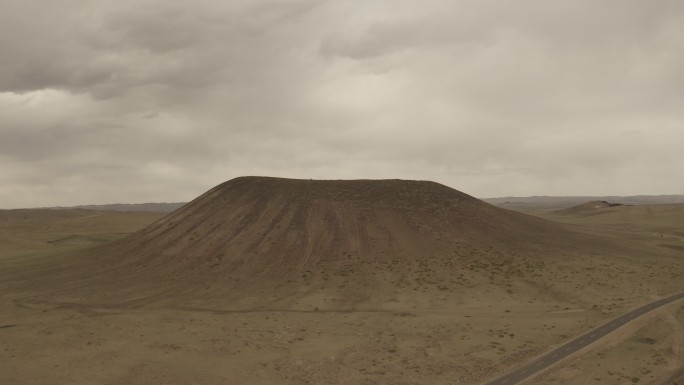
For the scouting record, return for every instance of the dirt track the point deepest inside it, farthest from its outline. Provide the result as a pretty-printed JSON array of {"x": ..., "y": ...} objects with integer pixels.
[{"x": 566, "y": 350}]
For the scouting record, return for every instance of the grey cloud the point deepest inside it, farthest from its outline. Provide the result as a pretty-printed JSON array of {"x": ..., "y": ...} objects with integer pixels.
[
  {"x": 158, "y": 100},
  {"x": 164, "y": 44}
]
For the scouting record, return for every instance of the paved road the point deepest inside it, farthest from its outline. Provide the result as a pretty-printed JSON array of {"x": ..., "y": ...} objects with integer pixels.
[{"x": 563, "y": 351}]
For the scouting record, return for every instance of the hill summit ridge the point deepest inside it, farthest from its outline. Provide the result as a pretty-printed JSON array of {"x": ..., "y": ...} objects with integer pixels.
[
  {"x": 278, "y": 224},
  {"x": 261, "y": 241}
]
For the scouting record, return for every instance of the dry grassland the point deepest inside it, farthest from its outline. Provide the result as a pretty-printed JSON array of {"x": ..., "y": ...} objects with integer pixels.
[{"x": 459, "y": 314}]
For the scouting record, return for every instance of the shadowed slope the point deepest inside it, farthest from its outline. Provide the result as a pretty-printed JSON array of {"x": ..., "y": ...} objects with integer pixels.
[
  {"x": 267, "y": 237},
  {"x": 281, "y": 224}
]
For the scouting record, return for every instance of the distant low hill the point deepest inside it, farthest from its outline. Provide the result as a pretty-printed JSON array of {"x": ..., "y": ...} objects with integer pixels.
[
  {"x": 557, "y": 203},
  {"x": 593, "y": 207},
  {"x": 152, "y": 207}
]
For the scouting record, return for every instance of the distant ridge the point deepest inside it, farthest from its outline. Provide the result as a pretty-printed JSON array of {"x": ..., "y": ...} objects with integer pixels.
[
  {"x": 593, "y": 207},
  {"x": 152, "y": 207},
  {"x": 561, "y": 202}
]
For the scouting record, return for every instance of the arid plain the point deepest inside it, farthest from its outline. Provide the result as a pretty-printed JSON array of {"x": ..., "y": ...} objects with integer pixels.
[{"x": 277, "y": 281}]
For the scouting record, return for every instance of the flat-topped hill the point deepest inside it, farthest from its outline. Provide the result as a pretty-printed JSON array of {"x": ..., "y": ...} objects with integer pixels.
[
  {"x": 265, "y": 237},
  {"x": 274, "y": 224}
]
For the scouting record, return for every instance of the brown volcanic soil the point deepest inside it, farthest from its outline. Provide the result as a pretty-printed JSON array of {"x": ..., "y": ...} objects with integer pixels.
[
  {"x": 272, "y": 239},
  {"x": 281, "y": 225}
]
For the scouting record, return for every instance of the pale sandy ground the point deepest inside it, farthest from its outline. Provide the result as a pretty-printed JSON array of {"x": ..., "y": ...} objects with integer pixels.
[
  {"x": 115, "y": 346},
  {"x": 458, "y": 343},
  {"x": 651, "y": 349},
  {"x": 475, "y": 330},
  {"x": 648, "y": 351}
]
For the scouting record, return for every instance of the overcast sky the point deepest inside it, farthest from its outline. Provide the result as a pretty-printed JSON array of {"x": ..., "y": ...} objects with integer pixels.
[{"x": 107, "y": 101}]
